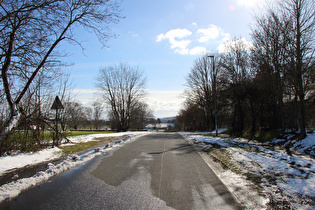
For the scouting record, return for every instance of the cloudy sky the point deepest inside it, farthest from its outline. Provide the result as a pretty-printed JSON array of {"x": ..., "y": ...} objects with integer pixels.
[{"x": 163, "y": 38}]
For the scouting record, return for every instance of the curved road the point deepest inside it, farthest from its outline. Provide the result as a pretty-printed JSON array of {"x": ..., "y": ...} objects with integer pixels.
[{"x": 157, "y": 171}]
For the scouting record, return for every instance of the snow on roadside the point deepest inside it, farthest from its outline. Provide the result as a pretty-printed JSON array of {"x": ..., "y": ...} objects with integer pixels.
[
  {"x": 12, "y": 189},
  {"x": 295, "y": 176},
  {"x": 87, "y": 138},
  {"x": 21, "y": 160}
]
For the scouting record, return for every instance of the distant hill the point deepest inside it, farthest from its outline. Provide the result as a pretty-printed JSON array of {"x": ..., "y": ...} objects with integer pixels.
[{"x": 166, "y": 119}]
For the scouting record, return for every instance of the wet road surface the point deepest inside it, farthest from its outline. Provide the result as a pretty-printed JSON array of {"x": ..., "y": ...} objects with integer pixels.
[{"x": 157, "y": 171}]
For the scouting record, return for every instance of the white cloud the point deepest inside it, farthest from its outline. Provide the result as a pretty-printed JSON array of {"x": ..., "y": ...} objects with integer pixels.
[
  {"x": 198, "y": 50},
  {"x": 179, "y": 42},
  {"x": 85, "y": 96},
  {"x": 174, "y": 33},
  {"x": 85, "y": 91},
  {"x": 226, "y": 37},
  {"x": 183, "y": 51},
  {"x": 211, "y": 32},
  {"x": 240, "y": 43},
  {"x": 175, "y": 38}
]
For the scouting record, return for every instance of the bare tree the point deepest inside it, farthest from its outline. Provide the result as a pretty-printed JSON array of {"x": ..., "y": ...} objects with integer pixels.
[
  {"x": 74, "y": 114},
  {"x": 31, "y": 30},
  {"x": 191, "y": 118},
  {"x": 236, "y": 73},
  {"x": 202, "y": 85},
  {"x": 88, "y": 111},
  {"x": 123, "y": 87},
  {"x": 284, "y": 41},
  {"x": 141, "y": 115},
  {"x": 271, "y": 60},
  {"x": 302, "y": 13},
  {"x": 97, "y": 113}
]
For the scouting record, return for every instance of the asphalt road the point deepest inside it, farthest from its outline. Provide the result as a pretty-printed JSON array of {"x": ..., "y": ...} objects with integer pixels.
[{"x": 157, "y": 171}]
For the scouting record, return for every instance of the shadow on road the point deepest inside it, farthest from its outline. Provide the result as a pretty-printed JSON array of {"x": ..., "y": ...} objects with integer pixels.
[{"x": 184, "y": 148}]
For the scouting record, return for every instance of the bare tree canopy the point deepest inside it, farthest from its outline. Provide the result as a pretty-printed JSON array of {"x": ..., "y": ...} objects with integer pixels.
[
  {"x": 201, "y": 81},
  {"x": 123, "y": 87},
  {"x": 284, "y": 42},
  {"x": 261, "y": 86},
  {"x": 302, "y": 13},
  {"x": 31, "y": 30}
]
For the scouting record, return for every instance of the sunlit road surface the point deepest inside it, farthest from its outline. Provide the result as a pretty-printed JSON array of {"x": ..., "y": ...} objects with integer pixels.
[{"x": 157, "y": 171}]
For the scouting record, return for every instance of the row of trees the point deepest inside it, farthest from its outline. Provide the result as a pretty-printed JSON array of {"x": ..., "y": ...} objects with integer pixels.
[
  {"x": 30, "y": 33},
  {"x": 38, "y": 116},
  {"x": 31, "y": 72},
  {"x": 76, "y": 116},
  {"x": 260, "y": 85}
]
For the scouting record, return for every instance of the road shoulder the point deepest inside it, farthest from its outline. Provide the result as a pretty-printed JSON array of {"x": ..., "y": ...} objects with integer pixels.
[{"x": 242, "y": 190}]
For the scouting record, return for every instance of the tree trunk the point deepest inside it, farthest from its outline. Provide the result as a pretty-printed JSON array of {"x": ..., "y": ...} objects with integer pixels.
[
  {"x": 300, "y": 86},
  {"x": 11, "y": 123}
]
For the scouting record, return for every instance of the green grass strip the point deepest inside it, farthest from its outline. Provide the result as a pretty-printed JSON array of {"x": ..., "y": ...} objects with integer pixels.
[{"x": 71, "y": 149}]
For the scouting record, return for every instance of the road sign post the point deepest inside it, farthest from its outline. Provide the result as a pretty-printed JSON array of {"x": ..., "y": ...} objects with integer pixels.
[
  {"x": 216, "y": 113},
  {"x": 56, "y": 106}
]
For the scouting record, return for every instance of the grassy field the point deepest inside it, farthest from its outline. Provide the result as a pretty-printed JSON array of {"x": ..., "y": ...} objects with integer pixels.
[
  {"x": 79, "y": 133},
  {"x": 78, "y": 147},
  {"x": 48, "y": 135}
]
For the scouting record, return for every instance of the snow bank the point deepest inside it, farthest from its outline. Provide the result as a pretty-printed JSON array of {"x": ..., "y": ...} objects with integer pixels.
[
  {"x": 13, "y": 188},
  {"x": 306, "y": 145},
  {"x": 21, "y": 160},
  {"x": 87, "y": 138},
  {"x": 295, "y": 176}
]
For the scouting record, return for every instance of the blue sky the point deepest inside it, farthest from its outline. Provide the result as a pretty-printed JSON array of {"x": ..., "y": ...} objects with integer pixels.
[{"x": 163, "y": 38}]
